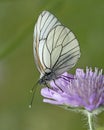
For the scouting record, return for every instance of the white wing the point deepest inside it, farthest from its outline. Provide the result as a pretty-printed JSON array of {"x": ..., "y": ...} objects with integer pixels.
[
  {"x": 61, "y": 50},
  {"x": 55, "y": 46},
  {"x": 45, "y": 23}
]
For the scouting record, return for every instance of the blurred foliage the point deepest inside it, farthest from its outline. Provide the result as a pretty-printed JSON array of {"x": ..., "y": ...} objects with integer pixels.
[{"x": 18, "y": 72}]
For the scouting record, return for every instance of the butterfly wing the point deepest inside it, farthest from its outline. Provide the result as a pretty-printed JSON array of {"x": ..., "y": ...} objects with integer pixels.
[
  {"x": 55, "y": 46},
  {"x": 62, "y": 48},
  {"x": 45, "y": 23}
]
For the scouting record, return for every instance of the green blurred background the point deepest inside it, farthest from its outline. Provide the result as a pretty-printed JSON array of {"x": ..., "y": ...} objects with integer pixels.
[{"x": 18, "y": 72}]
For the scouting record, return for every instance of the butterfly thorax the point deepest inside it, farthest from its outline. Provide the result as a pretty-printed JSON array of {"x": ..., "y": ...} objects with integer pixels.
[{"x": 48, "y": 76}]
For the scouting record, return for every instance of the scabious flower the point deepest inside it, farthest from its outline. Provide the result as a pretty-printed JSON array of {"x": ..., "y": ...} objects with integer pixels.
[{"x": 84, "y": 90}]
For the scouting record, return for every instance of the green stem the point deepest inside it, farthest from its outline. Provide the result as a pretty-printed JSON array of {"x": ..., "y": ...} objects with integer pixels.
[{"x": 91, "y": 121}]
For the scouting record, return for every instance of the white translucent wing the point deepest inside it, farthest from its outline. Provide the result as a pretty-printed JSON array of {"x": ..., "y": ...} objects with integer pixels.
[
  {"x": 62, "y": 48},
  {"x": 55, "y": 46},
  {"x": 45, "y": 23}
]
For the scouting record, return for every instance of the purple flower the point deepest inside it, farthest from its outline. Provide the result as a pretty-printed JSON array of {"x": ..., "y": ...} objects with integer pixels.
[{"x": 82, "y": 90}]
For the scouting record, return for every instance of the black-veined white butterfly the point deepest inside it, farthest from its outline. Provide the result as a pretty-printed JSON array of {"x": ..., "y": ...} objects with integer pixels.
[{"x": 55, "y": 47}]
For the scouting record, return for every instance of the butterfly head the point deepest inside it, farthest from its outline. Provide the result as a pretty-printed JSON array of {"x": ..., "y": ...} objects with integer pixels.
[{"x": 48, "y": 76}]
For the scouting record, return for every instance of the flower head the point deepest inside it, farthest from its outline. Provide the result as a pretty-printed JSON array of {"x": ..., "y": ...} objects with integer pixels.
[{"x": 82, "y": 90}]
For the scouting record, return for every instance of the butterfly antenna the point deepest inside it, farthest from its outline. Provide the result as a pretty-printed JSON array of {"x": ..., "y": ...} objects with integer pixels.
[
  {"x": 34, "y": 87},
  {"x": 33, "y": 90},
  {"x": 30, "y": 105}
]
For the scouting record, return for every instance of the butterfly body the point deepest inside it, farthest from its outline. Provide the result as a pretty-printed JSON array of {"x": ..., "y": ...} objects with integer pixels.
[
  {"x": 44, "y": 79},
  {"x": 56, "y": 49}
]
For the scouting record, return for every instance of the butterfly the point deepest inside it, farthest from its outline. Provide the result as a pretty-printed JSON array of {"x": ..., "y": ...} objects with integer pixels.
[{"x": 56, "y": 49}]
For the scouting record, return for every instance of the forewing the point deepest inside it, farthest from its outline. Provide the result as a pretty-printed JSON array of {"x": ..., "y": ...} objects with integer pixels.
[{"x": 45, "y": 23}]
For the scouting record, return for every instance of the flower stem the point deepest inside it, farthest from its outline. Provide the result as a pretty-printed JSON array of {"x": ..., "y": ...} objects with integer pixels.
[{"x": 91, "y": 121}]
